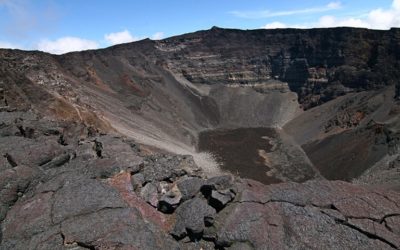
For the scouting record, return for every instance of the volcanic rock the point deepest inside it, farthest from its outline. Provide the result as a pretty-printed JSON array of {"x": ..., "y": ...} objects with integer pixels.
[
  {"x": 149, "y": 193},
  {"x": 218, "y": 199},
  {"x": 192, "y": 217},
  {"x": 84, "y": 196},
  {"x": 189, "y": 186},
  {"x": 169, "y": 201},
  {"x": 163, "y": 168},
  {"x": 137, "y": 181},
  {"x": 114, "y": 228},
  {"x": 219, "y": 182},
  {"x": 217, "y": 189},
  {"x": 274, "y": 216}
]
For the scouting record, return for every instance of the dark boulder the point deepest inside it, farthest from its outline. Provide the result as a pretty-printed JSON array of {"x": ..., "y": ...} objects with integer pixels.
[
  {"x": 218, "y": 183},
  {"x": 219, "y": 190},
  {"x": 84, "y": 196},
  {"x": 189, "y": 186},
  {"x": 115, "y": 228},
  {"x": 219, "y": 198},
  {"x": 121, "y": 153},
  {"x": 192, "y": 217}
]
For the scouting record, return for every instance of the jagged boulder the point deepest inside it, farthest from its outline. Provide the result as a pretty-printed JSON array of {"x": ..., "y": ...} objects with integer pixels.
[
  {"x": 170, "y": 201},
  {"x": 218, "y": 183},
  {"x": 220, "y": 198},
  {"x": 192, "y": 217},
  {"x": 219, "y": 190},
  {"x": 189, "y": 186}
]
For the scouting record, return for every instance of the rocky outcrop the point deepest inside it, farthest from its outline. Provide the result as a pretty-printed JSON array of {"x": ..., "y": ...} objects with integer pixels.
[
  {"x": 289, "y": 216},
  {"x": 98, "y": 200},
  {"x": 79, "y": 202}
]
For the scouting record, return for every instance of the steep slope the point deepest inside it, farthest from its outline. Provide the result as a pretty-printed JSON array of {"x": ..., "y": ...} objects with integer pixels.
[{"x": 165, "y": 93}]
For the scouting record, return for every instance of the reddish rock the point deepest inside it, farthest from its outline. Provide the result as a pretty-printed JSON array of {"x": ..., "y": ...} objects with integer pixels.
[
  {"x": 376, "y": 229},
  {"x": 28, "y": 218},
  {"x": 122, "y": 182},
  {"x": 311, "y": 215}
]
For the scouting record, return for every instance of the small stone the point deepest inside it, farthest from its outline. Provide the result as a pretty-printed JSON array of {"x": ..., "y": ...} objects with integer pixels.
[
  {"x": 170, "y": 201},
  {"x": 220, "y": 182},
  {"x": 189, "y": 186},
  {"x": 149, "y": 194},
  {"x": 137, "y": 181},
  {"x": 219, "y": 199},
  {"x": 163, "y": 187},
  {"x": 223, "y": 182}
]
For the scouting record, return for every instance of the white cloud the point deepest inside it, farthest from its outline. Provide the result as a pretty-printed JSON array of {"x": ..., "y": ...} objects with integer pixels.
[
  {"x": 385, "y": 19},
  {"x": 120, "y": 37},
  {"x": 326, "y": 21},
  {"x": 125, "y": 37},
  {"x": 157, "y": 36},
  {"x": 374, "y": 19},
  {"x": 331, "y": 21},
  {"x": 267, "y": 13},
  {"x": 66, "y": 44},
  {"x": 275, "y": 25},
  {"x": 279, "y": 25}
]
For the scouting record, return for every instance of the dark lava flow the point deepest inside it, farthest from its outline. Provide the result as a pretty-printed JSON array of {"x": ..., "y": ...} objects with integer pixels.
[{"x": 237, "y": 151}]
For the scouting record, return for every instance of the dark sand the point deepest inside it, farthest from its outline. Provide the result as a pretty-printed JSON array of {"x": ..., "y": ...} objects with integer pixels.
[{"x": 237, "y": 151}]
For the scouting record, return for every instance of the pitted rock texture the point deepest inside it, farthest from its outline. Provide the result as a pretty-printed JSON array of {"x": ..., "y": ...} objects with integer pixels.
[
  {"x": 74, "y": 205},
  {"x": 312, "y": 215},
  {"x": 83, "y": 202}
]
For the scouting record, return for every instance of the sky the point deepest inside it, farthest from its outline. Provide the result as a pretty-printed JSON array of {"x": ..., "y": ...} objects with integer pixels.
[{"x": 60, "y": 26}]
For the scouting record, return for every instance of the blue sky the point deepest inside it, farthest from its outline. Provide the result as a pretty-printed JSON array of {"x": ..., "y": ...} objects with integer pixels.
[{"x": 68, "y": 25}]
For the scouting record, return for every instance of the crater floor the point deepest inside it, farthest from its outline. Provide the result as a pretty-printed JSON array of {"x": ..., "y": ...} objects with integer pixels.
[{"x": 240, "y": 151}]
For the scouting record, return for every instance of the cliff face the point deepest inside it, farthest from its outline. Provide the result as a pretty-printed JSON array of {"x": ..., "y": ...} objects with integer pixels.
[{"x": 318, "y": 64}]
